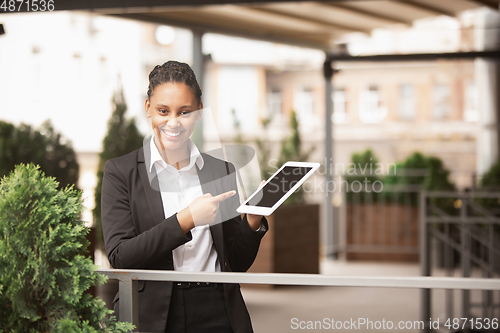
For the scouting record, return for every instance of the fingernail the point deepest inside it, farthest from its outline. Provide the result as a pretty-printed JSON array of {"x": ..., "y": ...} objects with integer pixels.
[{"x": 233, "y": 192}]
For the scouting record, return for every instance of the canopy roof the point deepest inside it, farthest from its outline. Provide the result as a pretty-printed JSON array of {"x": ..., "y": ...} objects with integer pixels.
[{"x": 313, "y": 24}]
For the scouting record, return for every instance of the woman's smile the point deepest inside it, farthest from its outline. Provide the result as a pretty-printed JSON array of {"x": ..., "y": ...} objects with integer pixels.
[{"x": 171, "y": 135}]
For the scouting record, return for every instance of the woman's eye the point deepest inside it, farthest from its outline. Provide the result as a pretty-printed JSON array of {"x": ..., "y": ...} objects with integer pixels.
[
  {"x": 162, "y": 111},
  {"x": 185, "y": 114}
]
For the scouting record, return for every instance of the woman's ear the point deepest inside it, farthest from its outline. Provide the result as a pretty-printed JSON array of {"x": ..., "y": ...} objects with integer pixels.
[{"x": 147, "y": 107}]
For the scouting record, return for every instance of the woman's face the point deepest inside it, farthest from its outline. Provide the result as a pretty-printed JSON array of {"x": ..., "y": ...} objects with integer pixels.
[{"x": 173, "y": 110}]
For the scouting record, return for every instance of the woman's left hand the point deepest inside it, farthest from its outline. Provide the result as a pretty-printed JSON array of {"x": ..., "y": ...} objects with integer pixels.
[{"x": 254, "y": 220}]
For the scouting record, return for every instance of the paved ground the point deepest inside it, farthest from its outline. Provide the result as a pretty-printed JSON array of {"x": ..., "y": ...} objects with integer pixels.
[{"x": 273, "y": 310}]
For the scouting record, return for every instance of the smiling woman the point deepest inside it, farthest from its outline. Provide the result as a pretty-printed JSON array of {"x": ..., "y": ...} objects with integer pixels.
[
  {"x": 173, "y": 110},
  {"x": 161, "y": 208}
]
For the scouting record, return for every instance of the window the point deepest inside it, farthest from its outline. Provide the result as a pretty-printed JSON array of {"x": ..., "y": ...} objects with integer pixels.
[
  {"x": 339, "y": 106},
  {"x": 406, "y": 102},
  {"x": 371, "y": 109},
  {"x": 305, "y": 102},
  {"x": 471, "y": 112},
  {"x": 274, "y": 102},
  {"x": 442, "y": 104},
  {"x": 304, "y": 105}
]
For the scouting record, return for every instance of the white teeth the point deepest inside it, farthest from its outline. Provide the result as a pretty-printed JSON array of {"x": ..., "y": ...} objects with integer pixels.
[{"x": 172, "y": 133}]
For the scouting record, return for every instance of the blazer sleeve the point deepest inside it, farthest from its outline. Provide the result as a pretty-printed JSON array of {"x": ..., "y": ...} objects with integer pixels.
[
  {"x": 241, "y": 242},
  {"x": 125, "y": 246}
]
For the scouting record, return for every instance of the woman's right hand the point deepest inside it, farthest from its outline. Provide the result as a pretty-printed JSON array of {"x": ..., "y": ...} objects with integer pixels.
[{"x": 203, "y": 210}]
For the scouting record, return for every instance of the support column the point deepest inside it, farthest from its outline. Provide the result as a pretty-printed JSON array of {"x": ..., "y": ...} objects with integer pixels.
[
  {"x": 425, "y": 263},
  {"x": 329, "y": 227},
  {"x": 487, "y": 37},
  {"x": 198, "y": 65},
  {"x": 129, "y": 301}
]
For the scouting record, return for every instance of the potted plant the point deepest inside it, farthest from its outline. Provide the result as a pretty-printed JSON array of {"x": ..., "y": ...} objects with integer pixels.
[
  {"x": 292, "y": 243},
  {"x": 44, "y": 267}
]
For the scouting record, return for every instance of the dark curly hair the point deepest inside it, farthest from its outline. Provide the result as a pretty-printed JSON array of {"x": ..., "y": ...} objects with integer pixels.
[{"x": 174, "y": 71}]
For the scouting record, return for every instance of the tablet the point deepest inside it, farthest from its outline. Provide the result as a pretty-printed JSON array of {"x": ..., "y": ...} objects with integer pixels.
[{"x": 278, "y": 188}]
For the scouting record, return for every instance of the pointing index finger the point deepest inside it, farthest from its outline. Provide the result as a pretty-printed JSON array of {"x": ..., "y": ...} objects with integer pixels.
[{"x": 224, "y": 196}]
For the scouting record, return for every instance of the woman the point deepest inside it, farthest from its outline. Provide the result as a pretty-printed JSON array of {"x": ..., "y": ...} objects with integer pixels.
[{"x": 159, "y": 205}]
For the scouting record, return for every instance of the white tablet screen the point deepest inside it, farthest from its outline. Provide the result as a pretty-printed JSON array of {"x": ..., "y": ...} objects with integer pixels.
[{"x": 278, "y": 186}]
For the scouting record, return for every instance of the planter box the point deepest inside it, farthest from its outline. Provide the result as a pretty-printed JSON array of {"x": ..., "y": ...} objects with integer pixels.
[
  {"x": 382, "y": 232},
  {"x": 291, "y": 244}
]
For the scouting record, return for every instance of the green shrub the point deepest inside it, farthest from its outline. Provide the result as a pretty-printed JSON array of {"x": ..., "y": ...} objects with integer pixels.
[
  {"x": 491, "y": 179},
  {"x": 490, "y": 182},
  {"x": 362, "y": 176},
  {"x": 419, "y": 172},
  {"x": 402, "y": 182},
  {"x": 43, "y": 270}
]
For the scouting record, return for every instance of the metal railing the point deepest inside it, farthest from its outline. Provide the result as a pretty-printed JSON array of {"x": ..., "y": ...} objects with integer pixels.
[
  {"x": 128, "y": 283},
  {"x": 456, "y": 231},
  {"x": 430, "y": 216}
]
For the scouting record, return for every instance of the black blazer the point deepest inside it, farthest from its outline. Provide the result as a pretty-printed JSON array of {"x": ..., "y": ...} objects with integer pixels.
[{"x": 137, "y": 235}]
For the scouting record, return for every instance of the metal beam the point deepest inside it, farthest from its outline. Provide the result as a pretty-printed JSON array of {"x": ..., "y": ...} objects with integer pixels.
[
  {"x": 415, "y": 56},
  {"x": 430, "y": 9},
  {"x": 296, "y": 41},
  {"x": 328, "y": 72},
  {"x": 198, "y": 69},
  {"x": 151, "y": 5},
  {"x": 416, "y": 282},
  {"x": 366, "y": 13},
  {"x": 425, "y": 264},
  {"x": 321, "y": 23},
  {"x": 489, "y": 4}
]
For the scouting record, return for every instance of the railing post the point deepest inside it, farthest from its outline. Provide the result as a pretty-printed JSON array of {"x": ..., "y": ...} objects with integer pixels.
[
  {"x": 424, "y": 262},
  {"x": 329, "y": 226},
  {"x": 129, "y": 300},
  {"x": 465, "y": 258}
]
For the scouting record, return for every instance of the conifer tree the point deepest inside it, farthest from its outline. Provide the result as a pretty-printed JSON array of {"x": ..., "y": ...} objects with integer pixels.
[
  {"x": 291, "y": 150},
  {"x": 43, "y": 146},
  {"x": 43, "y": 268},
  {"x": 122, "y": 138}
]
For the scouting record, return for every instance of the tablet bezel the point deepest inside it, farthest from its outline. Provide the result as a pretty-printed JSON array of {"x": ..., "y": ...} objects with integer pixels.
[{"x": 266, "y": 211}]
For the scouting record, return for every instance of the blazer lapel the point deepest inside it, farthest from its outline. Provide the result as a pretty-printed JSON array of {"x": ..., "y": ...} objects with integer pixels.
[
  {"x": 150, "y": 184},
  {"x": 208, "y": 185}
]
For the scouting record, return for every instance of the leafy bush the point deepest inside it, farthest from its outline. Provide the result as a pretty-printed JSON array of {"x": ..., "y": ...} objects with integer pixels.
[
  {"x": 419, "y": 172},
  {"x": 491, "y": 182},
  {"x": 491, "y": 179},
  {"x": 362, "y": 176},
  {"x": 403, "y": 181},
  {"x": 43, "y": 270},
  {"x": 410, "y": 172}
]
